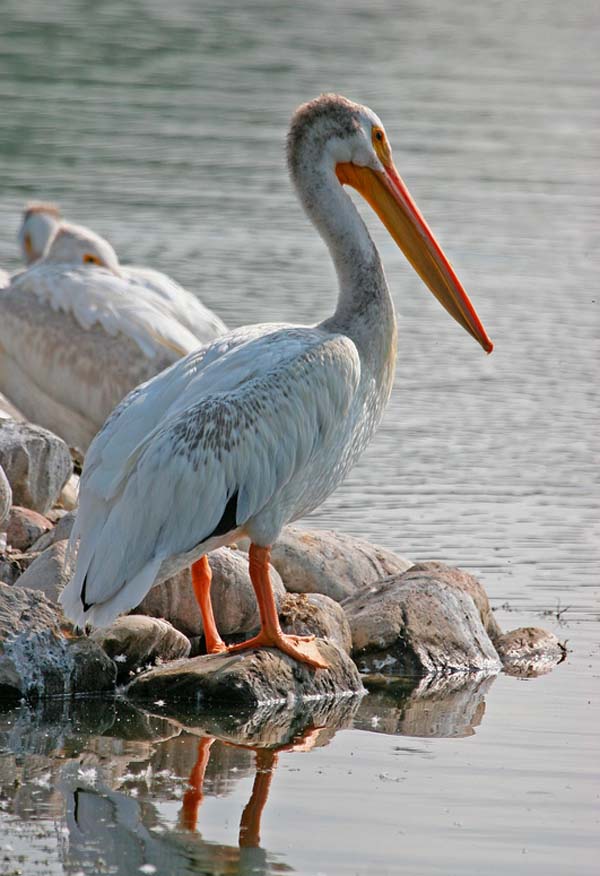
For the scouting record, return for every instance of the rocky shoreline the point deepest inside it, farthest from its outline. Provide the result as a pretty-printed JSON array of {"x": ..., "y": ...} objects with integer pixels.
[{"x": 375, "y": 614}]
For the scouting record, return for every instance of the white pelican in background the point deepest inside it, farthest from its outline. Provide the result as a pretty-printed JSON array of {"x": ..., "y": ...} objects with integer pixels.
[
  {"x": 77, "y": 334},
  {"x": 42, "y": 222},
  {"x": 257, "y": 429},
  {"x": 4, "y": 278}
]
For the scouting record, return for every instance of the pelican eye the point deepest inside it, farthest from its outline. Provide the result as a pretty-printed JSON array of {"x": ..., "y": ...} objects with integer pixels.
[
  {"x": 381, "y": 146},
  {"x": 90, "y": 259}
]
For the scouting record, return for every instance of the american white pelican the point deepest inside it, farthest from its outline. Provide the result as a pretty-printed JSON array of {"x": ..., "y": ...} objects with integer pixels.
[
  {"x": 76, "y": 334},
  {"x": 42, "y": 222},
  {"x": 255, "y": 430},
  {"x": 4, "y": 278}
]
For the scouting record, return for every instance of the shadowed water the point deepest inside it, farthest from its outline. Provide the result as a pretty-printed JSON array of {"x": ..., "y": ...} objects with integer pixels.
[{"x": 163, "y": 126}]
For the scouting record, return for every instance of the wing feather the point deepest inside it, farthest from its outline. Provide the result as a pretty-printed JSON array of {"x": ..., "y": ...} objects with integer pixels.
[
  {"x": 95, "y": 296},
  {"x": 178, "y": 302},
  {"x": 170, "y": 490}
]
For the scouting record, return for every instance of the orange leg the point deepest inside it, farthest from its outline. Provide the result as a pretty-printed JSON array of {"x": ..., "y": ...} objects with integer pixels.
[
  {"x": 201, "y": 578},
  {"x": 302, "y": 648},
  {"x": 194, "y": 796},
  {"x": 266, "y": 761}
]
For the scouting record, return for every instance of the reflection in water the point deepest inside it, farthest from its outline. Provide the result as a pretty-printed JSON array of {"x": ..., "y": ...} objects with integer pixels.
[
  {"x": 129, "y": 784},
  {"x": 446, "y": 706},
  {"x": 106, "y": 767}
]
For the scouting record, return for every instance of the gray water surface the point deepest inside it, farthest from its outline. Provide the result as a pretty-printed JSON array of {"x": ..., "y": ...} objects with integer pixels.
[{"x": 162, "y": 125}]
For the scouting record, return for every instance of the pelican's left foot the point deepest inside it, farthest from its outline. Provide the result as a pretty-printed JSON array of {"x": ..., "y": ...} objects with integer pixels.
[{"x": 301, "y": 648}]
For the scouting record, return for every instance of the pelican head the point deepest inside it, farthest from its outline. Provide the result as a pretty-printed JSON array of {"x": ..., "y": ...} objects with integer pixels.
[
  {"x": 349, "y": 140},
  {"x": 38, "y": 227},
  {"x": 76, "y": 245}
]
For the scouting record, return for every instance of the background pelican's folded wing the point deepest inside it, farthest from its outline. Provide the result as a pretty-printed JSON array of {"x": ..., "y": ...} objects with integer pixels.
[
  {"x": 178, "y": 302},
  {"x": 95, "y": 296}
]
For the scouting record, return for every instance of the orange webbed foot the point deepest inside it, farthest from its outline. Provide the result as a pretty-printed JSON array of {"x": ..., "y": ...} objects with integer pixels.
[{"x": 301, "y": 648}]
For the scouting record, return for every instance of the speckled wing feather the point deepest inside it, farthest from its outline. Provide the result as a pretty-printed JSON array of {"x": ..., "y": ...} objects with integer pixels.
[{"x": 250, "y": 415}]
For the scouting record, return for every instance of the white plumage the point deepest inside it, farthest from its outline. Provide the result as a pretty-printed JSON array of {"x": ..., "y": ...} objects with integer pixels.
[
  {"x": 77, "y": 332},
  {"x": 255, "y": 430}
]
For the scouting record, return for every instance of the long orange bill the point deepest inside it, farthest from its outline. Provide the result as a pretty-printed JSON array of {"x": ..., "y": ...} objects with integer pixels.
[{"x": 388, "y": 196}]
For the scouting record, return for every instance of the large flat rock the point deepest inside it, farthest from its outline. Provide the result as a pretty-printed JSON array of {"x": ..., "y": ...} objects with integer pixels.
[{"x": 250, "y": 678}]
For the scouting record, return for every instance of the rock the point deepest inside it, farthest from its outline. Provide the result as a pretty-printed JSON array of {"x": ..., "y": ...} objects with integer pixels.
[
  {"x": 48, "y": 571},
  {"x": 137, "y": 641},
  {"x": 418, "y": 624},
  {"x": 317, "y": 614},
  {"x": 330, "y": 563},
  {"x": 36, "y": 463},
  {"x": 13, "y": 564},
  {"x": 24, "y": 527},
  {"x": 36, "y": 660},
  {"x": 248, "y": 679},
  {"x": 460, "y": 580},
  {"x": 60, "y": 531},
  {"x": 5, "y": 498},
  {"x": 233, "y": 598},
  {"x": 529, "y": 651}
]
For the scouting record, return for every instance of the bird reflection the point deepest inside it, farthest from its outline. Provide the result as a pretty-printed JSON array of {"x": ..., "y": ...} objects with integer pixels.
[{"x": 265, "y": 763}]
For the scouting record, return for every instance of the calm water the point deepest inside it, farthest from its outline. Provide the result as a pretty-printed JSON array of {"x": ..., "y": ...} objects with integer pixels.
[{"x": 162, "y": 125}]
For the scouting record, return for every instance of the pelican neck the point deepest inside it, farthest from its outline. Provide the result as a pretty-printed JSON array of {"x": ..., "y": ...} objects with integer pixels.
[{"x": 364, "y": 308}]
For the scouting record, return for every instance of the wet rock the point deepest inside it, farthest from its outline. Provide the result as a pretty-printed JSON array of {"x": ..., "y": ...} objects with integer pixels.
[
  {"x": 36, "y": 660},
  {"x": 137, "y": 641},
  {"x": 5, "y": 498},
  {"x": 330, "y": 563},
  {"x": 36, "y": 463},
  {"x": 529, "y": 651},
  {"x": 435, "y": 706},
  {"x": 63, "y": 524},
  {"x": 48, "y": 572},
  {"x": 314, "y": 613},
  {"x": 418, "y": 624},
  {"x": 233, "y": 597},
  {"x": 24, "y": 527},
  {"x": 248, "y": 679}
]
